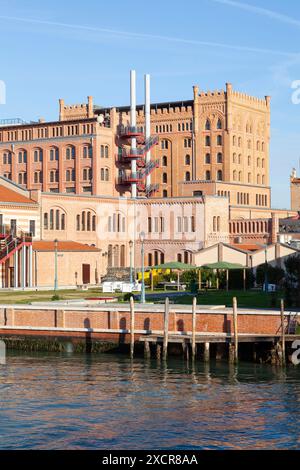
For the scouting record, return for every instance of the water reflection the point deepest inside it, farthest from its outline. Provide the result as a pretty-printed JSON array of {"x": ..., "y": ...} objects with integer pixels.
[{"x": 107, "y": 401}]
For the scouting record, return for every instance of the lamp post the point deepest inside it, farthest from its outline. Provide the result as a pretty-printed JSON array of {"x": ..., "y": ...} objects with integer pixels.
[
  {"x": 142, "y": 239},
  {"x": 266, "y": 269},
  {"x": 55, "y": 266},
  {"x": 130, "y": 255}
]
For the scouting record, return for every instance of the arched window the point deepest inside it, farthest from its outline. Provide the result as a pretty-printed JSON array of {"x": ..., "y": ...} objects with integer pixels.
[
  {"x": 240, "y": 142},
  {"x": 187, "y": 159},
  {"x": 165, "y": 178},
  {"x": 207, "y": 125},
  {"x": 249, "y": 178},
  {"x": 207, "y": 158},
  {"x": 249, "y": 160},
  {"x": 240, "y": 176},
  {"x": 219, "y": 175},
  {"x": 207, "y": 141},
  {"x": 207, "y": 175},
  {"x": 106, "y": 174},
  {"x": 234, "y": 158},
  {"x": 234, "y": 140},
  {"x": 78, "y": 222},
  {"x": 187, "y": 176},
  {"x": 164, "y": 161},
  {"x": 219, "y": 157},
  {"x": 219, "y": 124},
  {"x": 234, "y": 175},
  {"x": 219, "y": 140}
]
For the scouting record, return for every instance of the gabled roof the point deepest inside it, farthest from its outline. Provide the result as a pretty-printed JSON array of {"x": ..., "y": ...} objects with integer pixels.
[{"x": 11, "y": 196}]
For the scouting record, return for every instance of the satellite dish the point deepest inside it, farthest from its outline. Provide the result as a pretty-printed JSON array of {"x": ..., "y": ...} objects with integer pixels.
[{"x": 100, "y": 118}]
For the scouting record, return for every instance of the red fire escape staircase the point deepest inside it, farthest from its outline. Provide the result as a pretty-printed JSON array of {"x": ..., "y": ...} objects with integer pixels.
[
  {"x": 138, "y": 154},
  {"x": 10, "y": 243}
]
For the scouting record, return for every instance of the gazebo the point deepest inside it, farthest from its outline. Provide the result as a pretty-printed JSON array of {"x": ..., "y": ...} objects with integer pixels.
[
  {"x": 224, "y": 266},
  {"x": 172, "y": 266}
]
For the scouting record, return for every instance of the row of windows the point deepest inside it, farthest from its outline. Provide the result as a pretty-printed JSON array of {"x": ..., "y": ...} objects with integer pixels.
[
  {"x": 86, "y": 222},
  {"x": 56, "y": 220},
  {"x": 208, "y": 140},
  {"x": 46, "y": 132},
  {"x": 237, "y": 141},
  {"x": 156, "y": 225},
  {"x": 181, "y": 127},
  {"x": 70, "y": 153},
  {"x": 243, "y": 198},
  {"x": 238, "y": 176},
  {"x": 186, "y": 224},
  {"x": 219, "y": 175},
  {"x": 116, "y": 223},
  {"x": 249, "y": 227},
  {"x": 208, "y": 125},
  {"x": 219, "y": 158},
  {"x": 238, "y": 159},
  {"x": 87, "y": 175},
  {"x": 216, "y": 223},
  {"x": 164, "y": 128},
  {"x": 261, "y": 200}
]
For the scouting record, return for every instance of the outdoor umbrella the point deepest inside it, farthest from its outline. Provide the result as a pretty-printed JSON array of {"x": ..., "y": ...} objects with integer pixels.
[
  {"x": 173, "y": 265},
  {"x": 225, "y": 266}
]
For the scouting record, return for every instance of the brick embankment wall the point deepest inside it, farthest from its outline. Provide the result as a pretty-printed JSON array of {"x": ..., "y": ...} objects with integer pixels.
[{"x": 112, "y": 323}]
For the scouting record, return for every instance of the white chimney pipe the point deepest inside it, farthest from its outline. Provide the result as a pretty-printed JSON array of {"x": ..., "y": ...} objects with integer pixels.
[
  {"x": 133, "y": 124},
  {"x": 147, "y": 121}
]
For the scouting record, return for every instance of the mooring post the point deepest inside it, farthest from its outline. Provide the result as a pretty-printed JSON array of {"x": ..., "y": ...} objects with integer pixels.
[
  {"x": 158, "y": 351},
  {"x": 282, "y": 331},
  {"x": 131, "y": 327},
  {"x": 147, "y": 351},
  {"x": 206, "y": 356},
  {"x": 235, "y": 326},
  {"x": 194, "y": 324},
  {"x": 166, "y": 328}
]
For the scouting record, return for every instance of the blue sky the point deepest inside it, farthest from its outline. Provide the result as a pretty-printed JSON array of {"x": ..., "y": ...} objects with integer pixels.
[{"x": 52, "y": 50}]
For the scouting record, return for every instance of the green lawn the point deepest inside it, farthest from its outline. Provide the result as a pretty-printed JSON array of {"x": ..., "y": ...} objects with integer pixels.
[
  {"x": 251, "y": 299},
  {"x": 45, "y": 296}
]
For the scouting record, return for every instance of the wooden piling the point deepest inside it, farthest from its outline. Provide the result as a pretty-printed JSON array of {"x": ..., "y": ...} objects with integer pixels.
[
  {"x": 131, "y": 327},
  {"x": 194, "y": 323},
  {"x": 206, "y": 356},
  {"x": 282, "y": 331},
  {"x": 158, "y": 351},
  {"x": 147, "y": 351},
  {"x": 235, "y": 326},
  {"x": 231, "y": 355},
  {"x": 166, "y": 328}
]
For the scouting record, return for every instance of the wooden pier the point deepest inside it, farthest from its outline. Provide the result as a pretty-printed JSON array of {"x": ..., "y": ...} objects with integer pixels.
[{"x": 197, "y": 332}]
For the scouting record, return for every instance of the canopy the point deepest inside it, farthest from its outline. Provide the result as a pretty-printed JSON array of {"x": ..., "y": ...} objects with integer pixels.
[
  {"x": 223, "y": 265},
  {"x": 174, "y": 265}
]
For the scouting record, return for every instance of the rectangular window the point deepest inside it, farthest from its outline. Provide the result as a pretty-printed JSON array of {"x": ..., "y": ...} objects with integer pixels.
[{"x": 32, "y": 227}]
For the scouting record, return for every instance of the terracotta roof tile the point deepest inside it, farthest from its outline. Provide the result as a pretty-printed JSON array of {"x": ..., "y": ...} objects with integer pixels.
[
  {"x": 9, "y": 195},
  {"x": 44, "y": 245},
  {"x": 247, "y": 246}
]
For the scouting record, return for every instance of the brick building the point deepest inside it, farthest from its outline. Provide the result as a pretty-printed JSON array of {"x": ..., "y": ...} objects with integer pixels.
[{"x": 209, "y": 175}]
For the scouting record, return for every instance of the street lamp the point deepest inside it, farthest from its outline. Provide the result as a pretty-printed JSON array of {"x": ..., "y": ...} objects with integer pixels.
[
  {"x": 55, "y": 266},
  {"x": 130, "y": 255},
  {"x": 266, "y": 269},
  {"x": 142, "y": 239}
]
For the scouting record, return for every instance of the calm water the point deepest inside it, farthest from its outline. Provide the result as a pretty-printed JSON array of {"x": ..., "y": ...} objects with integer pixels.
[{"x": 59, "y": 401}]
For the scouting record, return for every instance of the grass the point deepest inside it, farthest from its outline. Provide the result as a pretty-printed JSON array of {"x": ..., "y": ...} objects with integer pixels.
[
  {"x": 251, "y": 299},
  {"x": 248, "y": 299},
  {"x": 21, "y": 297}
]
